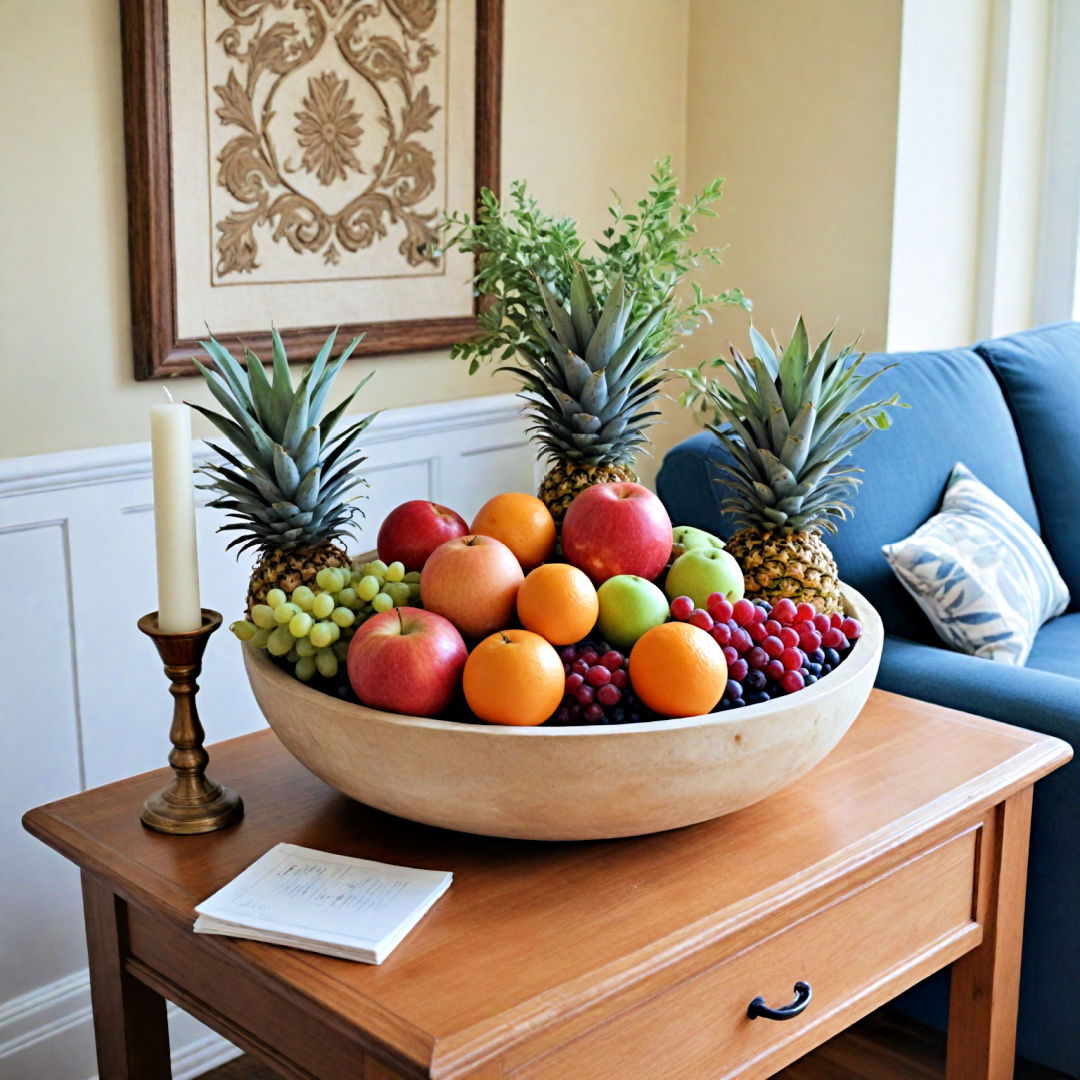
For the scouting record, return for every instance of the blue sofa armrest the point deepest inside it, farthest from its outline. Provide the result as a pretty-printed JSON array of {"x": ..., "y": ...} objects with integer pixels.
[
  {"x": 1039, "y": 700},
  {"x": 1048, "y": 703}
]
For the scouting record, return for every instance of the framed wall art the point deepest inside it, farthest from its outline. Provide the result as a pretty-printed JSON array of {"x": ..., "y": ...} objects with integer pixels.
[{"x": 289, "y": 161}]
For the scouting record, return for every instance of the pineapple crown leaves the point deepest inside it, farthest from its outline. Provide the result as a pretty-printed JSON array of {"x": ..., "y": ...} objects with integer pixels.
[
  {"x": 790, "y": 420},
  {"x": 289, "y": 480},
  {"x": 588, "y": 388},
  {"x": 520, "y": 248}
]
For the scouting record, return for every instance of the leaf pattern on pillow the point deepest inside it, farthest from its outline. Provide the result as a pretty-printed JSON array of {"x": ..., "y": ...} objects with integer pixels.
[{"x": 980, "y": 573}]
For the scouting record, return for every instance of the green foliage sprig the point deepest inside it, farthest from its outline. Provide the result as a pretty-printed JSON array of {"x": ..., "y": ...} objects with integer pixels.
[{"x": 518, "y": 246}]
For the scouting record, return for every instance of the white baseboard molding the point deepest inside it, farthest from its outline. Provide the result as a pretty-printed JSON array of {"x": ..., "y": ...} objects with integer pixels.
[
  {"x": 76, "y": 529},
  {"x": 48, "y": 1034}
]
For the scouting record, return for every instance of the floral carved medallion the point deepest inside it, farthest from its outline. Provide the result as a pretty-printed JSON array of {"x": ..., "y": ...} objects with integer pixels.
[{"x": 327, "y": 137}]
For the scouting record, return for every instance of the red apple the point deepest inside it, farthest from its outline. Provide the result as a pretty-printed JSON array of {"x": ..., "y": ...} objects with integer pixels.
[
  {"x": 619, "y": 528},
  {"x": 413, "y": 530},
  {"x": 407, "y": 661},
  {"x": 473, "y": 581}
]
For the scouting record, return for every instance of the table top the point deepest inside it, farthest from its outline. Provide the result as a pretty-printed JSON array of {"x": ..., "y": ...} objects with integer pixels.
[{"x": 531, "y": 930}]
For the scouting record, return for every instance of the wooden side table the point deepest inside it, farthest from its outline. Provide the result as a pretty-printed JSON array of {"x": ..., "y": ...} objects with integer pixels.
[{"x": 904, "y": 851}]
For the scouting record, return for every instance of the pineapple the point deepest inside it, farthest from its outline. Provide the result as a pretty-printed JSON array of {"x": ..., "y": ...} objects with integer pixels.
[
  {"x": 589, "y": 393},
  {"x": 288, "y": 484},
  {"x": 789, "y": 423}
]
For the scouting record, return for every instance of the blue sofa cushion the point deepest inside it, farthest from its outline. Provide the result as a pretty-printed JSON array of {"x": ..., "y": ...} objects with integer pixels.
[
  {"x": 1057, "y": 647},
  {"x": 1039, "y": 371},
  {"x": 690, "y": 485},
  {"x": 958, "y": 413}
]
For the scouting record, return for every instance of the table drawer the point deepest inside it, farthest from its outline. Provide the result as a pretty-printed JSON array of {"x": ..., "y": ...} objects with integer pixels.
[{"x": 848, "y": 951}]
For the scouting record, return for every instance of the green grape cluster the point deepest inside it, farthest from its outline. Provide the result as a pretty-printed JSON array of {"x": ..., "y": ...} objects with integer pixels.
[{"x": 312, "y": 629}]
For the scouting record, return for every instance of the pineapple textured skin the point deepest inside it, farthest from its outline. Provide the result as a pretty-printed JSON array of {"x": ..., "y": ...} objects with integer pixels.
[
  {"x": 565, "y": 481},
  {"x": 288, "y": 570},
  {"x": 796, "y": 566}
]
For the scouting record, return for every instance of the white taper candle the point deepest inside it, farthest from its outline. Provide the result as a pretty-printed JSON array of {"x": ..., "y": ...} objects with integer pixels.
[{"x": 174, "y": 518}]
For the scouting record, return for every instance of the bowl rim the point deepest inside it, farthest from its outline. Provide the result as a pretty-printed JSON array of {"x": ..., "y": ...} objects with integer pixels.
[{"x": 866, "y": 652}]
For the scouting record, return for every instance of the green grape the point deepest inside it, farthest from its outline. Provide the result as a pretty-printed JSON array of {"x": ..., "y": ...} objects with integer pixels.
[
  {"x": 341, "y": 650},
  {"x": 414, "y": 590},
  {"x": 275, "y": 597},
  {"x": 283, "y": 613},
  {"x": 300, "y": 625},
  {"x": 280, "y": 641},
  {"x": 368, "y": 587},
  {"x": 262, "y": 636},
  {"x": 262, "y": 615},
  {"x": 322, "y": 634},
  {"x": 244, "y": 630},
  {"x": 412, "y": 577},
  {"x": 292, "y": 655},
  {"x": 395, "y": 571},
  {"x": 398, "y": 591},
  {"x": 382, "y": 602},
  {"x": 348, "y": 598},
  {"x": 343, "y": 617},
  {"x": 304, "y": 647},
  {"x": 378, "y": 568},
  {"x": 326, "y": 662},
  {"x": 305, "y": 667},
  {"x": 303, "y": 597},
  {"x": 323, "y": 605},
  {"x": 328, "y": 579}
]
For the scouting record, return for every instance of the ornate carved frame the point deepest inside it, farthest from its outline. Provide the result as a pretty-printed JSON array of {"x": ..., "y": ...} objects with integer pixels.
[{"x": 158, "y": 350}]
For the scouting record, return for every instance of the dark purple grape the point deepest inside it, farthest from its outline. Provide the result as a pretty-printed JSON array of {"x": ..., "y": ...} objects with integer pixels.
[
  {"x": 818, "y": 656},
  {"x": 733, "y": 689},
  {"x": 755, "y": 679},
  {"x": 832, "y": 657},
  {"x": 738, "y": 703}
]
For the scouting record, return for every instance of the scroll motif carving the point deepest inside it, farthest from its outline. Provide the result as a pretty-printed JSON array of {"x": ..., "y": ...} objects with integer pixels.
[{"x": 368, "y": 122}]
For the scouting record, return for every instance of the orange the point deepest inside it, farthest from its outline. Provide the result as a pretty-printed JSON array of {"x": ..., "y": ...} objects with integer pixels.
[
  {"x": 514, "y": 677},
  {"x": 678, "y": 670},
  {"x": 558, "y": 602},
  {"x": 522, "y": 522}
]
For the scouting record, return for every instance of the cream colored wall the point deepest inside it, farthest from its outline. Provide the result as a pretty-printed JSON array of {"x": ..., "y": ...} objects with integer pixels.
[
  {"x": 795, "y": 104},
  {"x": 593, "y": 92}
]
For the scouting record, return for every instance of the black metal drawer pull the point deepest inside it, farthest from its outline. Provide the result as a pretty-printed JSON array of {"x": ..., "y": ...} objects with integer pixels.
[{"x": 802, "y": 999}]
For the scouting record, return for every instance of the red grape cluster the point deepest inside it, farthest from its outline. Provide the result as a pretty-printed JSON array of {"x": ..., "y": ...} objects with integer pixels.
[
  {"x": 598, "y": 687},
  {"x": 770, "y": 649}
]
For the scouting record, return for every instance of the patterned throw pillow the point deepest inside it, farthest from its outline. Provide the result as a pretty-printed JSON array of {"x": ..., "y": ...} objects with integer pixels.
[{"x": 980, "y": 573}]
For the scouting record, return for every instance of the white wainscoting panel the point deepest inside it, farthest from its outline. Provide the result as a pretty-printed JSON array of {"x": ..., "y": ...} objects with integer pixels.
[{"x": 85, "y": 701}]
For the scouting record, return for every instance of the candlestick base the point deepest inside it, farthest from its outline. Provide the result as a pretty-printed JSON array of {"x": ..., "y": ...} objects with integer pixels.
[
  {"x": 165, "y": 811},
  {"x": 192, "y": 803}
]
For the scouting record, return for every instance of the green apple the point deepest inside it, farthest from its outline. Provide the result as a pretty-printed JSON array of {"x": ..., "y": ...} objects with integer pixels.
[
  {"x": 686, "y": 538},
  {"x": 700, "y": 572},
  {"x": 629, "y": 605}
]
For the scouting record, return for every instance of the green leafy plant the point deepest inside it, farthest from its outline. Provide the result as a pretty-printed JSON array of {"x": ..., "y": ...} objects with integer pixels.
[{"x": 519, "y": 248}]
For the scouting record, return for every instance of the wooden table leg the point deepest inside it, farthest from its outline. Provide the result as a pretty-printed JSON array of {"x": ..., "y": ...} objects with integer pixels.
[
  {"x": 986, "y": 981},
  {"x": 129, "y": 1018}
]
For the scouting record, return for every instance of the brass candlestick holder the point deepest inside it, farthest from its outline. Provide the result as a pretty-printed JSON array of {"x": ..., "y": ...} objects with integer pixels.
[{"x": 192, "y": 803}]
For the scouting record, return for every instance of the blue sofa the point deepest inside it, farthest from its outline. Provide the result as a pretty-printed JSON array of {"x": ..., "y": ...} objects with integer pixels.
[{"x": 1009, "y": 409}]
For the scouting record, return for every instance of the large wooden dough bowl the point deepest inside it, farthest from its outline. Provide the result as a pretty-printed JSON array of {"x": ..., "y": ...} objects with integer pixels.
[{"x": 577, "y": 783}]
